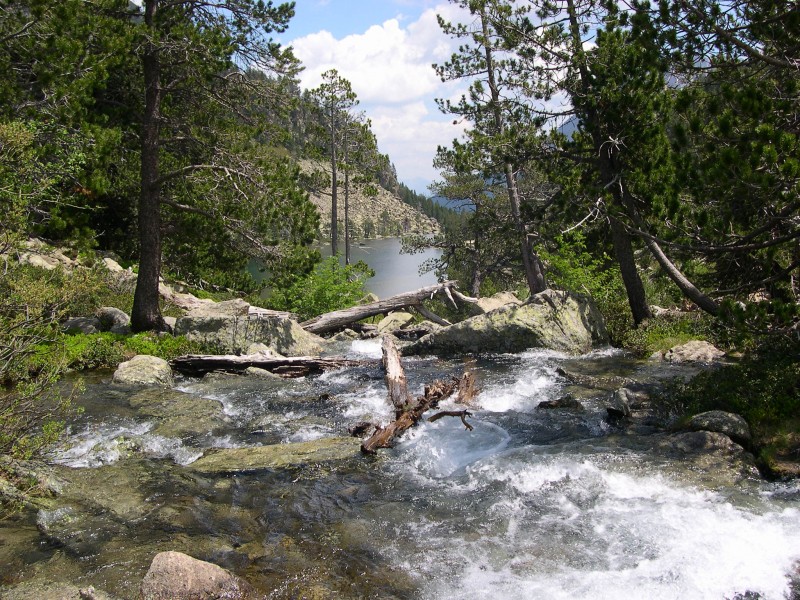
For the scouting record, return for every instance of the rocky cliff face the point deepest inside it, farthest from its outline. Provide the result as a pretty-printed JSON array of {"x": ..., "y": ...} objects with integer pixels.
[{"x": 382, "y": 215}]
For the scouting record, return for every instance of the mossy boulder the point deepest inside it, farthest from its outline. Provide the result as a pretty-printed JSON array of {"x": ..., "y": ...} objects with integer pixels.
[
  {"x": 234, "y": 334},
  {"x": 552, "y": 319},
  {"x": 144, "y": 370}
]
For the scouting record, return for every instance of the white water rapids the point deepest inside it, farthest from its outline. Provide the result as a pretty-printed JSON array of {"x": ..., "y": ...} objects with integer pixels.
[{"x": 531, "y": 504}]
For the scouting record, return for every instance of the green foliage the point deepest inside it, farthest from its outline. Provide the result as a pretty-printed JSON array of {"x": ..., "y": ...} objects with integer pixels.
[
  {"x": 108, "y": 350},
  {"x": 764, "y": 388},
  {"x": 571, "y": 266},
  {"x": 330, "y": 286},
  {"x": 659, "y": 334}
]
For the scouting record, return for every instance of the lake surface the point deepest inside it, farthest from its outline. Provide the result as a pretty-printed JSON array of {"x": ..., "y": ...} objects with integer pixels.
[{"x": 395, "y": 273}]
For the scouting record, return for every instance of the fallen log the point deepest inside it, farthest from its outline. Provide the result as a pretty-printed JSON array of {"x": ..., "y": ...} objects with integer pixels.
[
  {"x": 339, "y": 319},
  {"x": 408, "y": 411},
  {"x": 196, "y": 365}
]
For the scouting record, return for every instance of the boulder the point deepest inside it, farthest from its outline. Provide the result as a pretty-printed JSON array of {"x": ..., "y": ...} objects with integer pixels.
[
  {"x": 394, "y": 321},
  {"x": 144, "y": 370},
  {"x": 277, "y": 456},
  {"x": 496, "y": 301},
  {"x": 82, "y": 325},
  {"x": 234, "y": 334},
  {"x": 228, "y": 308},
  {"x": 619, "y": 405},
  {"x": 113, "y": 319},
  {"x": 694, "y": 351},
  {"x": 177, "y": 576},
  {"x": 264, "y": 350},
  {"x": 552, "y": 319},
  {"x": 730, "y": 424}
]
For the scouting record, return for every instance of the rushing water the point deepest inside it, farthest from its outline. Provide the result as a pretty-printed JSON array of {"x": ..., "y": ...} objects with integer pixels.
[{"x": 539, "y": 504}]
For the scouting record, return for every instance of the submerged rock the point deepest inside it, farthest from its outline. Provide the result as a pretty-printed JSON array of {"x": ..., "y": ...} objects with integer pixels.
[
  {"x": 730, "y": 424},
  {"x": 277, "y": 456},
  {"x": 177, "y": 576},
  {"x": 144, "y": 370},
  {"x": 234, "y": 334},
  {"x": 178, "y": 414},
  {"x": 55, "y": 591},
  {"x": 552, "y": 319}
]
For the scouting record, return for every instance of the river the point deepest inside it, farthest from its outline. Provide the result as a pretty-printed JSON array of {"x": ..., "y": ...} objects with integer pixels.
[{"x": 531, "y": 504}]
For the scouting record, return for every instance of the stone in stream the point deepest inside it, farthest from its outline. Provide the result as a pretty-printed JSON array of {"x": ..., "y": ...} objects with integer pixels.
[
  {"x": 697, "y": 351},
  {"x": 178, "y": 414},
  {"x": 730, "y": 424},
  {"x": 394, "y": 321},
  {"x": 552, "y": 319},
  {"x": 144, "y": 370},
  {"x": 277, "y": 456},
  {"x": 177, "y": 576}
]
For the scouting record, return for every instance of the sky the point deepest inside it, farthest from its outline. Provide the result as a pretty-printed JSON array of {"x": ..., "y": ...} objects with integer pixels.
[{"x": 385, "y": 48}]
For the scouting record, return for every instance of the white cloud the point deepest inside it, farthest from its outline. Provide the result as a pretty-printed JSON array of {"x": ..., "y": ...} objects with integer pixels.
[{"x": 390, "y": 69}]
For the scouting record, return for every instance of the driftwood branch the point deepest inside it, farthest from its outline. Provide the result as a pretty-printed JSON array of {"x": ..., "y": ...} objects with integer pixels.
[
  {"x": 453, "y": 413},
  {"x": 197, "y": 365},
  {"x": 342, "y": 318},
  {"x": 408, "y": 412}
]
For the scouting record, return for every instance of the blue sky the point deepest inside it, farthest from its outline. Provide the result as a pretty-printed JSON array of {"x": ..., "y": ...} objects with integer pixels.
[{"x": 385, "y": 48}]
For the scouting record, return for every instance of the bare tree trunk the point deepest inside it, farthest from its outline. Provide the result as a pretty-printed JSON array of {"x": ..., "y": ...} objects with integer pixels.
[
  {"x": 146, "y": 314},
  {"x": 334, "y": 198},
  {"x": 623, "y": 252},
  {"x": 341, "y": 318},
  {"x": 346, "y": 201}
]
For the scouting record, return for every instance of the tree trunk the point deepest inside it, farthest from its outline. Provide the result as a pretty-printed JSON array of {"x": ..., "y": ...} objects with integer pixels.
[
  {"x": 623, "y": 252},
  {"x": 341, "y": 318},
  {"x": 530, "y": 261},
  {"x": 197, "y": 365},
  {"x": 408, "y": 411},
  {"x": 146, "y": 314},
  {"x": 334, "y": 198},
  {"x": 346, "y": 201}
]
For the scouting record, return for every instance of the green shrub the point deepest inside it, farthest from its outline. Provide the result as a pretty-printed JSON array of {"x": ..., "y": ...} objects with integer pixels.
[
  {"x": 330, "y": 286},
  {"x": 763, "y": 387}
]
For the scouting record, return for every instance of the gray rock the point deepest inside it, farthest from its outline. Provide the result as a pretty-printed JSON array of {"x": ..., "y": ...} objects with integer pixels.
[
  {"x": 179, "y": 414},
  {"x": 260, "y": 373},
  {"x": 277, "y": 456},
  {"x": 177, "y": 576},
  {"x": 112, "y": 318},
  {"x": 619, "y": 405},
  {"x": 566, "y": 402},
  {"x": 170, "y": 321},
  {"x": 694, "y": 351},
  {"x": 82, "y": 325},
  {"x": 551, "y": 319},
  {"x": 228, "y": 308},
  {"x": 394, "y": 321},
  {"x": 36, "y": 590},
  {"x": 496, "y": 301},
  {"x": 234, "y": 334},
  {"x": 730, "y": 424},
  {"x": 144, "y": 370},
  {"x": 263, "y": 349}
]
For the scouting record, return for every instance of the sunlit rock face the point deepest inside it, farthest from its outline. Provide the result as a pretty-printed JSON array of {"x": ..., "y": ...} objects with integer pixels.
[{"x": 554, "y": 320}]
